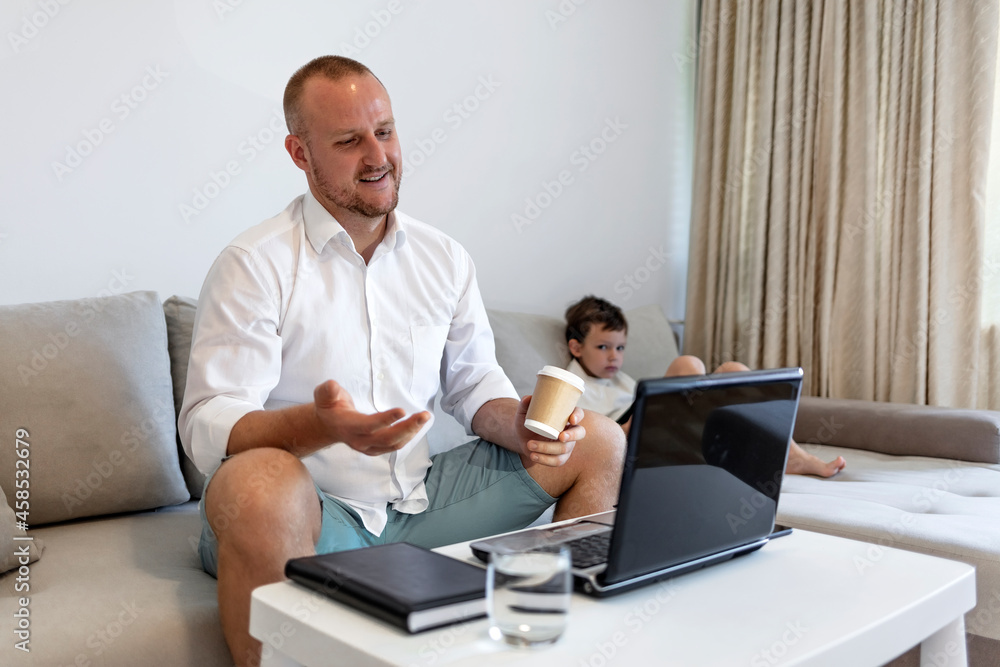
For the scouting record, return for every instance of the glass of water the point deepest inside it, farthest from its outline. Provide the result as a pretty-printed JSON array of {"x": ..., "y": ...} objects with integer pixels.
[{"x": 527, "y": 595}]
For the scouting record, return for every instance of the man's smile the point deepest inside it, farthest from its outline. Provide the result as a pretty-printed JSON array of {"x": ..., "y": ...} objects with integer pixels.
[{"x": 375, "y": 178}]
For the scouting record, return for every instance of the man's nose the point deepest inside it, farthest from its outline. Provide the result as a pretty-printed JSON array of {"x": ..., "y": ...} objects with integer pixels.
[{"x": 374, "y": 151}]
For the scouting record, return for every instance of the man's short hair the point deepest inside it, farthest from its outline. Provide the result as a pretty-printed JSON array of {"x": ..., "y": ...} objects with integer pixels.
[
  {"x": 591, "y": 310},
  {"x": 332, "y": 68}
]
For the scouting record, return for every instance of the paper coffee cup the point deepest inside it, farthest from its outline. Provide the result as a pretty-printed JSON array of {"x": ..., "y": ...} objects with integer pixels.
[{"x": 556, "y": 394}]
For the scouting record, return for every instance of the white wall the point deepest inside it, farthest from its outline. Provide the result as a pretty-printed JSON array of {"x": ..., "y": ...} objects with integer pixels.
[{"x": 117, "y": 115}]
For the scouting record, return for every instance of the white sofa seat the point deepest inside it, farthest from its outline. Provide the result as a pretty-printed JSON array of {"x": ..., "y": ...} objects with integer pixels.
[
  {"x": 940, "y": 507},
  {"x": 918, "y": 477}
]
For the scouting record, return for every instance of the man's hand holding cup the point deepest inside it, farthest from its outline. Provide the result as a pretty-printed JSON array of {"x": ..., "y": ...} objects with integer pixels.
[{"x": 551, "y": 412}]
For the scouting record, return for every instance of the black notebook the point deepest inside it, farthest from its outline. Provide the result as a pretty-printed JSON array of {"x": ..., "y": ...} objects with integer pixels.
[{"x": 406, "y": 585}]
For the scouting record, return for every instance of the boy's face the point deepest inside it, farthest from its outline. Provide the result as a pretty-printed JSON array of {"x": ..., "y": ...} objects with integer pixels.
[{"x": 601, "y": 352}]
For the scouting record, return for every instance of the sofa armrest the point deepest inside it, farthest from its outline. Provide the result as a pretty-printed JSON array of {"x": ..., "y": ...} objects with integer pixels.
[{"x": 900, "y": 429}]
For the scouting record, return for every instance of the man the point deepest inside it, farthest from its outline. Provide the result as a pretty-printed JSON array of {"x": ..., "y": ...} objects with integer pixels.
[{"x": 351, "y": 315}]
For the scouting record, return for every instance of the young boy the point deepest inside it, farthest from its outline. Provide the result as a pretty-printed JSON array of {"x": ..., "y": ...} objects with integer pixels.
[{"x": 596, "y": 332}]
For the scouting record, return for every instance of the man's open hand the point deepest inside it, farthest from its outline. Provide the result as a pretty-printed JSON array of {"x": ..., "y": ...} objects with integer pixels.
[
  {"x": 542, "y": 450},
  {"x": 374, "y": 434}
]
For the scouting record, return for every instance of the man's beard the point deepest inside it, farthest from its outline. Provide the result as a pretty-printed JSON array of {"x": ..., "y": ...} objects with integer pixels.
[{"x": 352, "y": 201}]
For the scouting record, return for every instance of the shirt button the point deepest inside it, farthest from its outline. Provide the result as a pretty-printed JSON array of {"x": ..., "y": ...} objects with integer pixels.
[{"x": 380, "y": 376}]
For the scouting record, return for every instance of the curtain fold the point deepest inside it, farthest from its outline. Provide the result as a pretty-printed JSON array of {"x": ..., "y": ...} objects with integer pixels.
[
  {"x": 989, "y": 348},
  {"x": 840, "y": 164}
]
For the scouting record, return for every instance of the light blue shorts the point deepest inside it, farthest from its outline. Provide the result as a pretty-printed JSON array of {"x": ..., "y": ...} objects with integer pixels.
[{"x": 474, "y": 490}]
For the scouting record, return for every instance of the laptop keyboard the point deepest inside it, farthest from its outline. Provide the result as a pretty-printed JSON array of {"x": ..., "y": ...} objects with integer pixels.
[{"x": 590, "y": 550}]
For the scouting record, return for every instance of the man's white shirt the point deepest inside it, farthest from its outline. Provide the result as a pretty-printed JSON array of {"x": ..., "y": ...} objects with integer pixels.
[{"x": 290, "y": 304}]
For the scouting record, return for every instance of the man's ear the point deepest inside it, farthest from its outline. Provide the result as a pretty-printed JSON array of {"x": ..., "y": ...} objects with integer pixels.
[
  {"x": 298, "y": 150},
  {"x": 575, "y": 348}
]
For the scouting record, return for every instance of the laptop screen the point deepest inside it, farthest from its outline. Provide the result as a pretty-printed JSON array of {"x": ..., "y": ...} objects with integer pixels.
[{"x": 706, "y": 457}]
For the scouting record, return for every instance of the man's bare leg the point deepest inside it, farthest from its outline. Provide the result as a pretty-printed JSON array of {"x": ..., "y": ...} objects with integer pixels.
[
  {"x": 263, "y": 508},
  {"x": 589, "y": 481}
]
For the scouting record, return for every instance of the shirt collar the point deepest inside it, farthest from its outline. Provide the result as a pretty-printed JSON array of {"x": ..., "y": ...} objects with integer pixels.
[
  {"x": 577, "y": 368},
  {"x": 322, "y": 228}
]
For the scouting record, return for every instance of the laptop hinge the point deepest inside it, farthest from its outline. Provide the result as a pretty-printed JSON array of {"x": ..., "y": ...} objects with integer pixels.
[{"x": 592, "y": 585}]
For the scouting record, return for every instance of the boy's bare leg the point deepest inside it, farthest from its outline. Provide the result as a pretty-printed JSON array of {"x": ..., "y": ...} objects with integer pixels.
[
  {"x": 262, "y": 506},
  {"x": 686, "y": 364},
  {"x": 800, "y": 462}
]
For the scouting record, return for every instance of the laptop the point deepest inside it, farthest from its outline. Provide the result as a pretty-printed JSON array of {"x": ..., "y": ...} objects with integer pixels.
[{"x": 704, "y": 465}]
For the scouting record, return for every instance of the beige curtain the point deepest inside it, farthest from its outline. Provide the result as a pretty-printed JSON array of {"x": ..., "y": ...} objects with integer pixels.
[
  {"x": 840, "y": 163},
  {"x": 989, "y": 354}
]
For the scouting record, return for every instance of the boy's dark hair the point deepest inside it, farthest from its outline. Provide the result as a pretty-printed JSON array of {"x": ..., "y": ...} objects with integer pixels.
[{"x": 592, "y": 310}]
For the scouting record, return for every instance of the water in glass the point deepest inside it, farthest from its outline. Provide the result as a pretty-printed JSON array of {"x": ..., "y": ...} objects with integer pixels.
[{"x": 528, "y": 596}]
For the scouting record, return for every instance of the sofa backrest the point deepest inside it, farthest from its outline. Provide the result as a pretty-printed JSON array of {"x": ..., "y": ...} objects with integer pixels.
[
  {"x": 93, "y": 382},
  {"x": 179, "y": 312},
  {"x": 527, "y": 342},
  {"x": 86, "y": 385},
  {"x": 900, "y": 429}
]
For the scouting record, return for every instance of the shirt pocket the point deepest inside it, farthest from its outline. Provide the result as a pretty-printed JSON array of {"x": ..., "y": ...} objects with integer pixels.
[{"x": 428, "y": 349}]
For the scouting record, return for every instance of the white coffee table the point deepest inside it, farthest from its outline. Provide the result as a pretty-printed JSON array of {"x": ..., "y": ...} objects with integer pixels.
[{"x": 803, "y": 599}]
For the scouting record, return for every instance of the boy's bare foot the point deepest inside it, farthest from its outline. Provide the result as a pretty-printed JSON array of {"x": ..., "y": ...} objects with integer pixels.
[{"x": 801, "y": 462}]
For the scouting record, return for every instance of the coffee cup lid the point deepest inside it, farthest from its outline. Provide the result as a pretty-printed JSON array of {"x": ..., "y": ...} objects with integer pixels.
[{"x": 564, "y": 375}]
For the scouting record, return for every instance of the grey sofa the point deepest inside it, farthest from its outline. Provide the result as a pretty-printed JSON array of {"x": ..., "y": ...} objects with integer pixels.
[
  {"x": 94, "y": 386},
  {"x": 118, "y": 581},
  {"x": 917, "y": 478}
]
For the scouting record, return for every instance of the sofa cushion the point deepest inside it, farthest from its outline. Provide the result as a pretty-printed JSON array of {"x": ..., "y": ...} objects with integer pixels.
[
  {"x": 526, "y": 342},
  {"x": 13, "y": 538},
  {"x": 122, "y": 590},
  {"x": 900, "y": 428},
  {"x": 89, "y": 381},
  {"x": 651, "y": 344},
  {"x": 941, "y": 507},
  {"x": 179, "y": 312}
]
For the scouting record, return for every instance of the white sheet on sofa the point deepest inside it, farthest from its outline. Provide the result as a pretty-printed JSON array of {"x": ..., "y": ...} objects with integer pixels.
[{"x": 940, "y": 507}]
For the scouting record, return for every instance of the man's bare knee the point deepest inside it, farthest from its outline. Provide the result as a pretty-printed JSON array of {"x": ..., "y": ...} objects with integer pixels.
[
  {"x": 257, "y": 488},
  {"x": 606, "y": 437}
]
